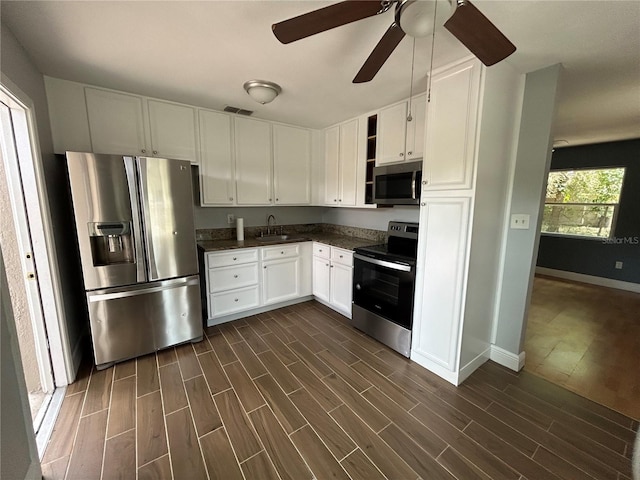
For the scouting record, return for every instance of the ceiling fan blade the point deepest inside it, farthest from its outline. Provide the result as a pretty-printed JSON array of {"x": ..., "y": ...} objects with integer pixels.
[
  {"x": 478, "y": 34},
  {"x": 384, "y": 48},
  {"x": 326, "y": 18}
]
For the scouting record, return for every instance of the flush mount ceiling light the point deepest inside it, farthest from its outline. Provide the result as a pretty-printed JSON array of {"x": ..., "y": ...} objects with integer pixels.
[{"x": 262, "y": 91}]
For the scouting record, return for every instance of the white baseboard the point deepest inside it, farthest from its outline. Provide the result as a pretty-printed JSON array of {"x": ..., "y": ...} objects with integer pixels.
[
  {"x": 473, "y": 365},
  {"x": 507, "y": 359},
  {"x": 581, "y": 277},
  {"x": 424, "y": 361}
]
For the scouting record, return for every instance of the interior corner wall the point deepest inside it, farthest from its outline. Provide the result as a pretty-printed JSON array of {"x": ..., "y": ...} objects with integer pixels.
[
  {"x": 19, "y": 454},
  {"x": 17, "y": 67},
  {"x": 532, "y": 164},
  {"x": 597, "y": 257}
]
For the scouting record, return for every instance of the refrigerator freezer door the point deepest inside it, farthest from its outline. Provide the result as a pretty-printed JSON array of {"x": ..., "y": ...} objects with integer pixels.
[
  {"x": 167, "y": 211},
  {"x": 106, "y": 210},
  {"x": 133, "y": 321}
]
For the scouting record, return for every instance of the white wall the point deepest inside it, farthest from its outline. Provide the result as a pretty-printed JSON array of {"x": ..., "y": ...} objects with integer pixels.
[
  {"x": 19, "y": 454},
  {"x": 496, "y": 157},
  {"x": 521, "y": 247},
  {"x": 16, "y": 66},
  {"x": 373, "y": 218}
]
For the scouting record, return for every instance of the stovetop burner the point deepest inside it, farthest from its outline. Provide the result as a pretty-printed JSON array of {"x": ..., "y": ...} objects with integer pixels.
[{"x": 401, "y": 246}]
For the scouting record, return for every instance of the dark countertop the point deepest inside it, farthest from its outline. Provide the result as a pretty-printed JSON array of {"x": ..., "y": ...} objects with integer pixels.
[{"x": 335, "y": 240}]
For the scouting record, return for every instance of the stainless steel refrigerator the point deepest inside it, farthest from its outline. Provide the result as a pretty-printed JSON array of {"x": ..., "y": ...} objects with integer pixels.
[{"x": 134, "y": 222}]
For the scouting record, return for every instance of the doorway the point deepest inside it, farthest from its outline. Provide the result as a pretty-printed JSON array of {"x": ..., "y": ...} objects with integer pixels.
[{"x": 25, "y": 248}]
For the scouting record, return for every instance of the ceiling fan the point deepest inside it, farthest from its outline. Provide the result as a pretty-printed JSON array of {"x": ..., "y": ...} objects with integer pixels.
[{"x": 467, "y": 24}]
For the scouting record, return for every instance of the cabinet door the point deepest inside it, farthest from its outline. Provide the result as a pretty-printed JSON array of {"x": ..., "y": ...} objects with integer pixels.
[
  {"x": 392, "y": 127},
  {"x": 332, "y": 165},
  {"x": 322, "y": 278},
  {"x": 173, "y": 131},
  {"x": 348, "y": 163},
  {"x": 416, "y": 128},
  {"x": 440, "y": 284},
  {"x": 291, "y": 165},
  {"x": 253, "y": 161},
  {"x": 341, "y": 288},
  {"x": 451, "y": 127},
  {"x": 116, "y": 122},
  {"x": 280, "y": 280},
  {"x": 217, "y": 184}
]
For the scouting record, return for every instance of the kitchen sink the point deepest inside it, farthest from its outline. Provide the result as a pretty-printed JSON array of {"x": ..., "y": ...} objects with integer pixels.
[{"x": 276, "y": 238}]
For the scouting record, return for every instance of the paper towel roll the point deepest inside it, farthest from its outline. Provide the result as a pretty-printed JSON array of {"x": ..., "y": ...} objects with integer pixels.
[{"x": 240, "y": 229}]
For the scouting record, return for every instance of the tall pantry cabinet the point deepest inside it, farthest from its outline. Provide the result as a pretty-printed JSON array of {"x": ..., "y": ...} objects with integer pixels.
[{"x": 471, "y": 137}]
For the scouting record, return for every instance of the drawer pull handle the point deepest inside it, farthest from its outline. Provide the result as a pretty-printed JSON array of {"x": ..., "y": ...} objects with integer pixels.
[
  {"x": 234, "y": 258},
  {"x": 236, "y": 300},
  {"x": 235, "y": 276},
  {"x": 281, "y": 253},
  {"x": 340, "y": 256}
]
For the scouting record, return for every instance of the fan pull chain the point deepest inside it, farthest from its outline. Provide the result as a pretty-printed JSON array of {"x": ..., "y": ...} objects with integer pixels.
[
  {"x": 433, "y": 45},
  {"x": 413, "y": 56}
]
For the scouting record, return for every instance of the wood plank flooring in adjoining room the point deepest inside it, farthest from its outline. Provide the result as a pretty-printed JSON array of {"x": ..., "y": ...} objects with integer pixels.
[
  {"x": 298, "y": 394},
  {"x": 586, "y": 338}
]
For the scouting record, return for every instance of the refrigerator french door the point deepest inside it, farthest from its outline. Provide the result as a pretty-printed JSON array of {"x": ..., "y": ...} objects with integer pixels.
[{"x": 136, "y": 236}]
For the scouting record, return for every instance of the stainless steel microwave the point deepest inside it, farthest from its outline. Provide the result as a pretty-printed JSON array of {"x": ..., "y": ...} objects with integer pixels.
[{"x": 397, "y": 184}]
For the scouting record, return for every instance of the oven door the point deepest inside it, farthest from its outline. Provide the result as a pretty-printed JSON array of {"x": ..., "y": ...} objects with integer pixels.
[{"x": 385, "y": 288}]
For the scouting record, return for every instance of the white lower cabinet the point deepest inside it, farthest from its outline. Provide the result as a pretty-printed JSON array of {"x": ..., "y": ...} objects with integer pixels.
[
  {"x": 246, "y": 281},
  {"x": 280, "y": 273},
  {"x": 333, "y": 276}
]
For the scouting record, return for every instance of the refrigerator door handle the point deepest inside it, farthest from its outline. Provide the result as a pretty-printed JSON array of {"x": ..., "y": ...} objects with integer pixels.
[
  {"x": 168, "y": 285},
  {"x": 137, "y": 227},
  {"x": 144, "y": 196}
]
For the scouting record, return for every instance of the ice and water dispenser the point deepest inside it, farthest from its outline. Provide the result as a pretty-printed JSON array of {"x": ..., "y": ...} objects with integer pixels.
[{"x": 111, "y": 243}]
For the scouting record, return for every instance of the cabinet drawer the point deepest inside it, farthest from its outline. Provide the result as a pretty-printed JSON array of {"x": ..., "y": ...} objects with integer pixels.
[
  {"x": 232, "y": 257},
  {"x": 236, "y": 276},
  {"x": 321, "y": 250},
  {"x": 344, "y": 257},
  {"x": 225, "y": 303},
  {"x": 281, "y": 251}
]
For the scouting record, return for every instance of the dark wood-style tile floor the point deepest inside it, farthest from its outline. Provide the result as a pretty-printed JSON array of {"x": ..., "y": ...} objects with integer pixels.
[{"x": 298, "y": 394}]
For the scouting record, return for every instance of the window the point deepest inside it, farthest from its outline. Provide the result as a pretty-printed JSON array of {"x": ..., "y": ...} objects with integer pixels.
[{"x": 582, "y": 202}]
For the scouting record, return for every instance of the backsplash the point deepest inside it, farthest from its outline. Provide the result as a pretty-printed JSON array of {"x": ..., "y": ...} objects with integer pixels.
[{"x": 379, "y": 236}]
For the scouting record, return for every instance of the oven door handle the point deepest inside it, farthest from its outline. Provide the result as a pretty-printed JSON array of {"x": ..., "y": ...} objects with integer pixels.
[{"x": 383, "y": 263}]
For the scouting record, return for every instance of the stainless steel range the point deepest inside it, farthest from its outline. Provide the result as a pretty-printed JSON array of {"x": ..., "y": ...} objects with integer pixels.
[{"x": 383, "y": 287}]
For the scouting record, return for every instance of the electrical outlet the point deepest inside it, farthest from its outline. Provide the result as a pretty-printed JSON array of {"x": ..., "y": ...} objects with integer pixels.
[
  {"x": 520, "y": 221},
  {"x": 619, "y": 265},
  {"x": 230, "y": 218}
]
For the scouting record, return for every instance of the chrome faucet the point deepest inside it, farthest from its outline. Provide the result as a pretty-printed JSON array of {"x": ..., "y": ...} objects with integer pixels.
[{"x": 269, "y": 223}]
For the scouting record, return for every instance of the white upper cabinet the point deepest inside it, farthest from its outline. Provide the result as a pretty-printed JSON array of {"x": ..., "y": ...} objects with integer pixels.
[
  {"x": 332, "y": 165},
  {"x": 416, "y": 128},
  {"x": 348, "y": 162},
  {"x": 291, "y": 165},
  {"x": 172, "y": 129},
  {"x": 217, "y": 181},
  {"x": 120, "y": 123},
  {"x": 341, "y": 164},
  {"x": 392, "y": 128},
  {"x": 253, "y": 161},
  {"x": 451, "y": 128},
  {"x": 401, "y": 140},
  {"x": 116, "y": 122},
  {"x": 68, "y": 114}
]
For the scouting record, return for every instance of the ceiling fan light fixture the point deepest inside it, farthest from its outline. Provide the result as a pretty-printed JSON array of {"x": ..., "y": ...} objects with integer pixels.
[
  {"x": 262, "y": 91},
  {"x": 415, "y": 17}
]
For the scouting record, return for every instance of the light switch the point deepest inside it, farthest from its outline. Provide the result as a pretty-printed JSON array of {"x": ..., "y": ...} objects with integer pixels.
[{"x": 520, "y": 221}]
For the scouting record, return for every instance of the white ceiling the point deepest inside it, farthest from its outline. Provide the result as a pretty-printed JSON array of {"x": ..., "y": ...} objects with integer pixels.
[{"x": 201, "y": 53}]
